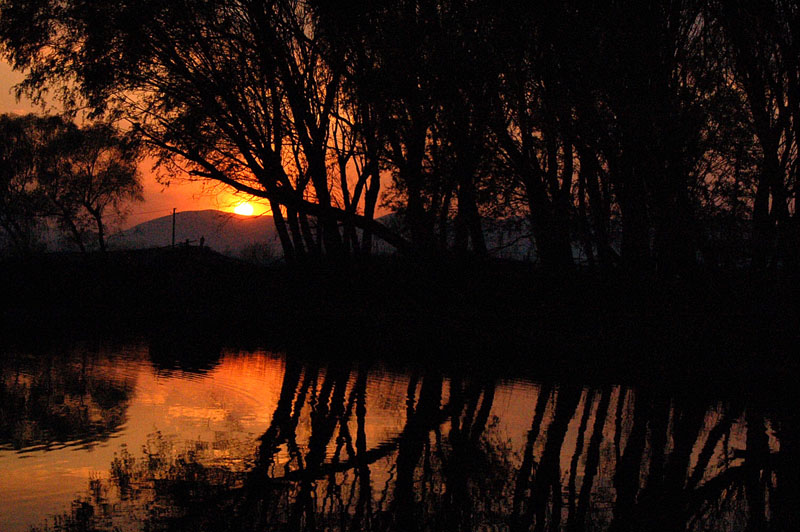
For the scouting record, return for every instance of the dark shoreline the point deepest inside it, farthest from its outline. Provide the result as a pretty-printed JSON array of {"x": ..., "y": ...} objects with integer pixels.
[{"x": 725, "y": 332}]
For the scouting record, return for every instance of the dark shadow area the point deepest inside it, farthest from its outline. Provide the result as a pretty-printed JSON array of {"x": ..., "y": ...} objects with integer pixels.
[
  {"x": 188, "y": 349},
  {"x": 726, "y": 331}
]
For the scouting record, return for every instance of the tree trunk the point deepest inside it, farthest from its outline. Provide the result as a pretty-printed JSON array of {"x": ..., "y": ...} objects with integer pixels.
[
  {"x": 468, "y": 208},
  {"x": 553, "y": 249},
  {"x": 283, "y": 233},
  {"x": 674, "y": 241},
  {"x": 635, "y": 227},
  {"x": 98, "y": 218},
  {"x": 370, "y": 201},
  {"x": 73, "y": 229},
  {"x": 586, "y": 234},
  {"x": 331, "y": 238}
]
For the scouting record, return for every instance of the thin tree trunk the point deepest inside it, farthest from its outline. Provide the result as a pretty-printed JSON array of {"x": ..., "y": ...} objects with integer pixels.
[
  {"x": 635, "y": 227},
  {"x": 101, "y": 240},
  {"x": 370, "y": 201},
  {"x": 586, "y": 234},
  {"x": 283, "y": 233}
]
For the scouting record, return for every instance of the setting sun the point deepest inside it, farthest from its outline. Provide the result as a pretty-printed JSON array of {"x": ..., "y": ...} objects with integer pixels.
[{"x": 245, "y": 209}]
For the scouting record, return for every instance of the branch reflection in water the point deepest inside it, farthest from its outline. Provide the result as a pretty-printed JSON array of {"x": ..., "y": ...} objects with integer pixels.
[{"x": 461, "y": 453}]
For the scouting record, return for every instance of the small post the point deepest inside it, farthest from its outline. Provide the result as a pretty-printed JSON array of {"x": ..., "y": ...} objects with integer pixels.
[{"x": 173, "y": 227}]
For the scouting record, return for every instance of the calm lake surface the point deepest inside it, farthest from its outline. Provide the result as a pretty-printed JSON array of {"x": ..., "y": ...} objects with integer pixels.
[{"x": 123, "y": 437}]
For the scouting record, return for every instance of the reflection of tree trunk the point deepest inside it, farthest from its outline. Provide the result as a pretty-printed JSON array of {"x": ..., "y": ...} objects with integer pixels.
[
  {"x": 784, "y": 505},
  {"x": 688, "y": 424},
  {"x": 257, "y": 483},
  {"x": 483, "y": 413},
  {"x": 659, "y": 435},
  {"x": 573, "y": 465},
  {"x": 664, "y": 502},
  {"x": 622, "y": 395},
  {"x": 626, "y": 478},
  {"x": 364, "y": 503},
  {"x": 412, "y": 442},
  {"x": 592, "y": 462},
  {"x": 526, "y": 468},
  {"x": 756, "y": 458},
  {"x": 716, "y": 434},
  {"x": 283, "y": 411},
  {"x": 547, "y": 484},
  {"x": 464, "y": 438},
  {"x": 324, "y": 419}
]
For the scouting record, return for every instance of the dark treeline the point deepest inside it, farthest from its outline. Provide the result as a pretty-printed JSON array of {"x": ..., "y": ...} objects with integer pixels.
[
  {"x": 654, "y": 136},
  {"x": 608, "y": 458},
  {"x": 78, "y": 180}
]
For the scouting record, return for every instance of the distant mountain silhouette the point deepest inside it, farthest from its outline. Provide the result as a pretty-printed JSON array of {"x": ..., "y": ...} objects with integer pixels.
[
  {"x": 224, "y": 232},
  {"x": 236, "y": 236}
]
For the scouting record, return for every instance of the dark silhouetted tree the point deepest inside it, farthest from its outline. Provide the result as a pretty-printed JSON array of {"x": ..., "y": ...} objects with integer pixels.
[
  {"x": 90, "y": 177},
  {"x": 241, "y": 92},
  {"x": 22, "y": 139}
]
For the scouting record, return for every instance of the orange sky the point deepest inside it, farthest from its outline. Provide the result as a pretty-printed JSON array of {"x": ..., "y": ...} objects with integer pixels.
[{"x": 159, "y": 200}]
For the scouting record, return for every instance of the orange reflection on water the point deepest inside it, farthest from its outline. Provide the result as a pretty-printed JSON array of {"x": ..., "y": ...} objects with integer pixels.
[{"x": 333, "y": 436}]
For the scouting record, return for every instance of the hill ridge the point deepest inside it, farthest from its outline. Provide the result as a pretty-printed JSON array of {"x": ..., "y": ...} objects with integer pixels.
[{"x": 225, "y": 232}]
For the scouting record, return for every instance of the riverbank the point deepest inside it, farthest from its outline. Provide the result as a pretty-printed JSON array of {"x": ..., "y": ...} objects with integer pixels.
[{"x": 719, "y": 329}]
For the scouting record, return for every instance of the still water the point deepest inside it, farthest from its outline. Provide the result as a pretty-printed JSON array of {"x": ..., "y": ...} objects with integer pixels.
[{"x": 115, "y": 438}]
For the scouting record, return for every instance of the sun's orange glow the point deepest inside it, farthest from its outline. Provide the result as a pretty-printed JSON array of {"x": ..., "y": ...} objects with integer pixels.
[{"x": 245, "y": 209}]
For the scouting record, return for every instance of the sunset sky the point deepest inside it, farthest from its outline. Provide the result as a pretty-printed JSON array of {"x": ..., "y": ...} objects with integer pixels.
[{"x": 159, "y": 199}]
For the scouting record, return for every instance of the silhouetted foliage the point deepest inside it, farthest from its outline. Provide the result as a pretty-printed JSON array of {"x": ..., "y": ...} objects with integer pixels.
[
  {"x": 89, "y": 177},
  {"x": 641, "y": 135},
  {"x": 22, "y": 140},
  {"x": 78, "y": 178}
]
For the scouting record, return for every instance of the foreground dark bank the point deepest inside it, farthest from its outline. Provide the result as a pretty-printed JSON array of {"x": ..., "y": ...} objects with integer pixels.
[{"x": 721, "y": 329}]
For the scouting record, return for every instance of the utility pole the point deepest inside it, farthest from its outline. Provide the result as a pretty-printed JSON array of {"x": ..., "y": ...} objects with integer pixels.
[{"x": 173, "y": 227}]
